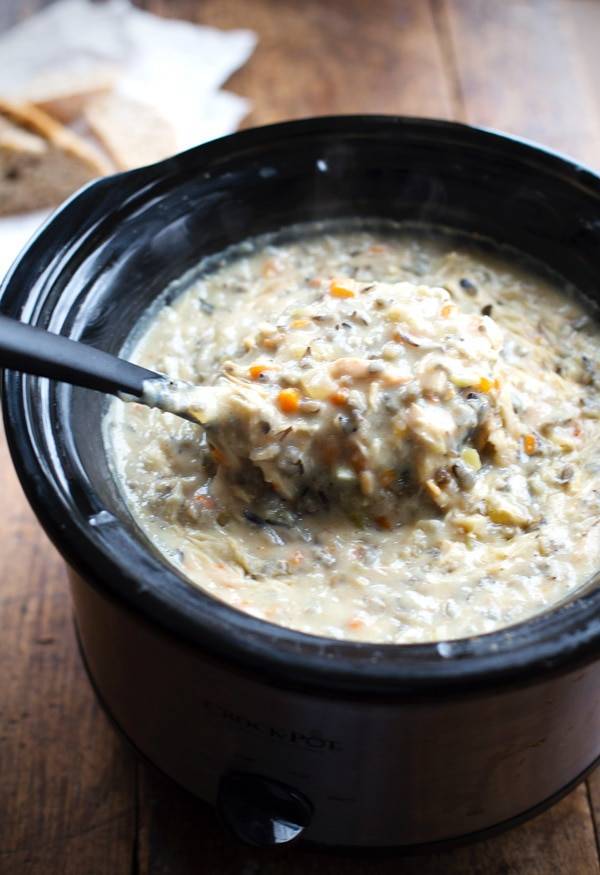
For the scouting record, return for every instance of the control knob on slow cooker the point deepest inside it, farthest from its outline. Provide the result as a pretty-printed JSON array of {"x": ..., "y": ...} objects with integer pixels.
[{"x": 261, "y": 811}]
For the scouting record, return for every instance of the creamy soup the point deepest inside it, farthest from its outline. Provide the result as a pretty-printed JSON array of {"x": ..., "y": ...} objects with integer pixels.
[{"x": 407, "y": 448}]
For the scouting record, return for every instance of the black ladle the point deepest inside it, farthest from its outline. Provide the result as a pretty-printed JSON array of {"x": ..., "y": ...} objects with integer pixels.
[{"x": 35, "y": 351}]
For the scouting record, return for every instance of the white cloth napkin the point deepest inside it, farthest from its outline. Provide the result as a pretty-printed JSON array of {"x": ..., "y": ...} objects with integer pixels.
[{"x": 174, "y": 66}]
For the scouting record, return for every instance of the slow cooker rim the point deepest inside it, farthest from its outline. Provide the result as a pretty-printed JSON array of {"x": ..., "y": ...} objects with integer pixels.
[{"x": 561, "y": 639}]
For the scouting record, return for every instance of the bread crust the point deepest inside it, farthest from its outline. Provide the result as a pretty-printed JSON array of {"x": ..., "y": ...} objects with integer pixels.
[{"x": 35, "y": 120}]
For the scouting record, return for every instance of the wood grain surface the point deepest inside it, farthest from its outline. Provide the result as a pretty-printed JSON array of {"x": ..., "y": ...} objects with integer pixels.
[{"x": 72, "y": 797}]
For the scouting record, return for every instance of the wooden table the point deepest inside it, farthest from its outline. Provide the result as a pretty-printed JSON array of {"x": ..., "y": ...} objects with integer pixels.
[{"x": 73, "y": 799}]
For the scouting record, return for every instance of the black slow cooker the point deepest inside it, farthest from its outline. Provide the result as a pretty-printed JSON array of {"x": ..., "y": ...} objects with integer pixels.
[{"x": 288, "y": 734}]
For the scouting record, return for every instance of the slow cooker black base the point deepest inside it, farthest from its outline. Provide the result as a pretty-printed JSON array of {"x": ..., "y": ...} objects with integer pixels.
[
  {"x": 418, "y": 848},
  {"x": 279, "y": 761}
]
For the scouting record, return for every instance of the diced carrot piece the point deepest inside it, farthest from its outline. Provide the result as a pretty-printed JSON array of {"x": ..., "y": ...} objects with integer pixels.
[
  {"x": 257, "y": 370},
  {"x": 485, "y": 385},
  {"x": 446, "y": 310},
  {"x": 289, "y": 400},
  {"x": 339, "y": 397},
  {"x": 339, "y": 290},
  {"x": 377, "y": 248},
  {"x": 206, "y": 501},
  {"x": 355, "y": 623},
  {"x": 529, "y": 444}
]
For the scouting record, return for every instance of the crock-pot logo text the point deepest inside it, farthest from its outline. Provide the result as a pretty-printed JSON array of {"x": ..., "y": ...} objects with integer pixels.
[{"x": 311, "y": 740}]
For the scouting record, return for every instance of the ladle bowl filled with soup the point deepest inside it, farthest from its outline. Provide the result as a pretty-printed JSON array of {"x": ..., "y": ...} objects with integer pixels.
[{"x": 357, "y": 604}]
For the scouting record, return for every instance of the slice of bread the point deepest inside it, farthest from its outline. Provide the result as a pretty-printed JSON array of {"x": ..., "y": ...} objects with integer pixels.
[
  {"x": 132, "y": 133},
  {"x": 41, "y": 162},
  {"x": 63, "y": 95}
]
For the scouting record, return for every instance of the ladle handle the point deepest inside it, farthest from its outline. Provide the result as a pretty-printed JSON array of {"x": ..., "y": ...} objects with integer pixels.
[{"x": 35, "y": 351}]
